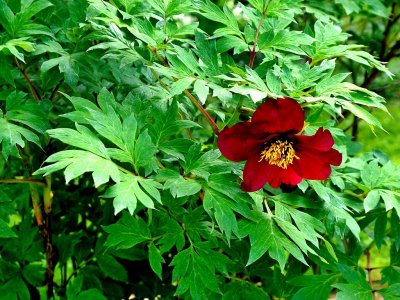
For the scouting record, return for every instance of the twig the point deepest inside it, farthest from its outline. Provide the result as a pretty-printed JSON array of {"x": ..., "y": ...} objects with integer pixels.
[
  {"x": 54, "y": 93},
  {"x": 159, "y": 80},
  {"x": 23, "y": 180},
  {"x": 188, "y": 94},
  {"x": 203, "y": 111},
  {"x": 167, "y": 89},
  {"x": 36, "y": 206},
  {"x": 27, "y": 79},
  {"x": 254, "y": 51},
  {"x": 369, "y": 270},
  {"x": 382, "y": 57},
  {"x": 267, "y": 206},
  {"x": 236, "y": 112},
  {"x": 389, "y": 25},
  {"x": 384, "y": 87},
  {"x": 253, "y": 54},
  {"x": 44, "y": 224}
]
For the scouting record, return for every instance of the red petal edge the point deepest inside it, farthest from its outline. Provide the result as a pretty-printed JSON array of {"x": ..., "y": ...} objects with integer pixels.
[
  {"x": 256, "y": 174},
  {"x": 316, "y": 155},
  {"x": 283, "y": 115},
  {"x": 236, "y": 143}
]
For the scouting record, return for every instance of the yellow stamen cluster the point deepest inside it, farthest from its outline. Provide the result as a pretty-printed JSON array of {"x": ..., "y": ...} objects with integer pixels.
[{"x": 279, "y": 153}]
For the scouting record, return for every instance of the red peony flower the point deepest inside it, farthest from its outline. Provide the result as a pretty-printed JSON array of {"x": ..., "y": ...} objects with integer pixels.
[{"x": 274, "y": 149}]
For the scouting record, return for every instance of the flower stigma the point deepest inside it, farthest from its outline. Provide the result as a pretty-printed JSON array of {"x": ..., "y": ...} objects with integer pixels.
[{"x": 279, "y": 153}]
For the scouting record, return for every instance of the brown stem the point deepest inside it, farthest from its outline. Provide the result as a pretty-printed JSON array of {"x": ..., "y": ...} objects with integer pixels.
[
  {"x": 45, "y": 229},
  {"x": 54, "y": 93},
  {"x": 27, "y": 79},
  {"x": 44, "y": 224},
  {"x": 382, "y": 54},
  {"x": 382, "y": 88},
  {"x": 203, "y": 111},
  {"x": 22, "y": 180},
  {"x": 160, "y": 58},
  {"x": 369, "y": 270},
  {"x": 57, "y": 96},
  {"x": 49, "y": 257},
  {"x": 167, "y": 89},
  {"x": 36, "y": 205},
  {"x": 354, "y": 128},
  {"x": 254, "y": 51},
  {"x": 382, "y": 57},
  {"x": 188, "y": 94},
  {"x": 47, "y": 237}
]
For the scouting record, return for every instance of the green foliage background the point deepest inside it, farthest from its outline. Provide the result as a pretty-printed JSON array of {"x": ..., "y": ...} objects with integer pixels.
[{"x": 111, "y": 184}]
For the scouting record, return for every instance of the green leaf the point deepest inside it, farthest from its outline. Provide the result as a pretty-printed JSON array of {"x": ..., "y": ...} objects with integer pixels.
[
  {"x": 27, "y": 12},
  {"x": 220, "y": 206},
  {"x": 352, "y": 291},
  {"x": 111, "y": 267},
  {"x": 338, "y": 211},
  {"x": 178, "y": 185},
  {"x": 240, "y": 290},
  {"x": 71, "y": 160},
  {"x": 74, "y": 287},
  {"x": 391, "y": 200},
  {"x": 298, "y": 237},
  {"x": 169, "y": 8},
  {"x": 392, "y": 292},
  {"x": 314, "y": 287},
  {"x": 354, "y": 276},
  {"x": 207, "y": 52},
  {"x": 258, "y": 4},
  {"x": 5, "y": 231},
  {"x": 174, "y": 234},
  {"x": 380, "y": 229},
  {"x": 362, "y": 114},
  {"x": 228, "y": 42},
  {"x": 266, "y": 236},
  {"x": 137, "y": 148},
  {"x": 182, "y": 84},
  {"x": 127, "y": 232},
  {"x": 144, "y": 150},
  {"x": 131, "y": 189},
  {"x": 6, "y": 17},
  {"x": 349, "y": 6},
  {"x": 12, "y": 135},
  {"x": 167, "y": 123},
  {"x": 203, "y": 165},
  {"x": 34, "y": 274},
  {"x": 370, "y": 174},
  {"x": 67, "y": 64},
  {"x": 195, "y": 272},
  {"x": 94, "y": 294},
  {"x": 308, "y": 225},
  {"x": 29, "y": 113},
  {"x": 372, "y": 200},
  {"x": 395, "y": 228},
  {"x": 201, "y": 89},
  {"x": 81, "y": 138},
  {"x": 285, "y": 40},
  {"x": 74, "y": 290},
  {"x": 213, "y": 12},
  {"x": 15, "y": 288},
  {"x": 155, "y": 259}
]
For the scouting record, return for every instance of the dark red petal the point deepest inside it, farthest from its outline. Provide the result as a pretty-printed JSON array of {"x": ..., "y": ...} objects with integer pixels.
[
  {"x": 278, "y": 116},
  {"x": 316, "y": 165},
  {"x": 322, "y": 140},
  {"x": 256, "y": 174},
  {"x": 236, "y": 143}
]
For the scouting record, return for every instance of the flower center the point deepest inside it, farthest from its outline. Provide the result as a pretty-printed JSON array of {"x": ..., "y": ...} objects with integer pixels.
[{"x": 279, "y": 153}]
